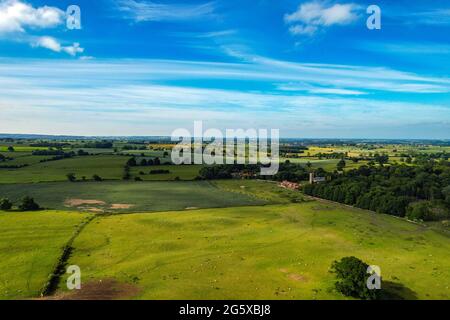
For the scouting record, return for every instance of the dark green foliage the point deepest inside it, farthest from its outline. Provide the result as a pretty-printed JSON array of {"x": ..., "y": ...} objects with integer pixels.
[
  {"x": 427, "y": 211},
  {"x": 143, "y": 163},
  {"x": 99, "y": 145},
  {"x": 287, "y": 171},
  {"x": 5, "y": 204},
  {"x": 126, "y": 173},
  {"x": 388, "y": 189},
  {"x": 131, "y": 162},
  {"x": 159, "y": 171},
  {"x": 28, "y": 204},
  {"x": 352, "y": 276},
  {"x": 96, "y": 177},
  {"x": 71, "y": 177},
  {"x": 82, "y": 153},
  {"x": 381, "y": 159},
  {"x": 341, "y": 165}
]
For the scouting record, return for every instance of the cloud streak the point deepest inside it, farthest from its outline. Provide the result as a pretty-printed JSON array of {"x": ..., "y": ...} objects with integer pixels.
[
  {"x": 137, "y": 98},
  {"x": 141, "y": 11}
]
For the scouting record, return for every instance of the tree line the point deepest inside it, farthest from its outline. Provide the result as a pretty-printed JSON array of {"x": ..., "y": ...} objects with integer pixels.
[{"x": 419, "y": 192}]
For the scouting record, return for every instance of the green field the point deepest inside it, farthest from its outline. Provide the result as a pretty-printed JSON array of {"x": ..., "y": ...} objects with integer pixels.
[
  {"x": 108, "y": 167},
  {"x": 30, "y": 245},
  {"x": 265, "y": 190},
  {"x": 185, "y": 172},
  {"x": 271, "y": 252},
  {"x": 127, "y": 196}
]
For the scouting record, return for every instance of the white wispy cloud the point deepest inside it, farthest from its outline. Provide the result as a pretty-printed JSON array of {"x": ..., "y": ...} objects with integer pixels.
[
  {"x": 17, "y": 16},
  {"x": 313, "y": 16},
  {"x": 432, "y": 17},
  {"x": 318, "y": 90},
  {"x": 54, "y": 45},
  {"x": 136, "y": 98},
  {"x": 140, "y": 11},
  {"x": 410, "y": 48}
]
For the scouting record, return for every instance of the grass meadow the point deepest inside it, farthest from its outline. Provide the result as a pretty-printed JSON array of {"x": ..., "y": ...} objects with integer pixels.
[
  {"x": 30, "y": 245},
  {"x": 106, "y": 166},
  {"x": 270, "y": 252}
]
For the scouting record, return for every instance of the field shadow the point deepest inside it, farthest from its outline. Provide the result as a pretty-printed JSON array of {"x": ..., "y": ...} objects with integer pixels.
[{"x": 397, "y": 291}]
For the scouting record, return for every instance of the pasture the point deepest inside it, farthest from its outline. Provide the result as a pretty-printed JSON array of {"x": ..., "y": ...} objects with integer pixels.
[
  {"x": 106, "y": 166},
  {"x": 30, "y": 245},
  {"x": 270, "y": 252}
]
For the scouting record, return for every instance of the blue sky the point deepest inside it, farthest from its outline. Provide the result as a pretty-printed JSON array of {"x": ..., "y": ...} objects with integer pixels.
[{"x": 308, "y": 68}]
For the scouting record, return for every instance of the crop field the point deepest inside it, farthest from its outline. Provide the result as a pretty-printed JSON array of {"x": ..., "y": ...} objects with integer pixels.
[
  {"x": 185, "y": 172},
  {"x": 30, "y": 245},
  {"x": 231, "y": 253},
  {"x": 127, "y": 196}
]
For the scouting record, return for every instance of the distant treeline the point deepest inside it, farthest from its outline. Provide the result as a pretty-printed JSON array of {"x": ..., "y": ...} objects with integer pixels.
[
  {"x": 98, "y": 145},
  {"x": 419, "y": 192},
  {"x": 287, "y": 171},
  {"x": 49, "y": 144}
]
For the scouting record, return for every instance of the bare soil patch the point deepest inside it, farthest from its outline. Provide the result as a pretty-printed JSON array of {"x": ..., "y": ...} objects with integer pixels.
[
  {"x": 294, "y": 276},
  {"x": 92, "y": 209},
  {"x": 80, "y": 202},
  {"x": 108, "y": 289},
  {"x": 297, "y": 277},
  {"x": 121, "y": 206}
]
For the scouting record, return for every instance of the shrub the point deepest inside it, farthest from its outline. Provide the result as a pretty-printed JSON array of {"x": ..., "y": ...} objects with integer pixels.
[
  {"x": 96, "y": 177},
  {"x": 71, "y": 177},
  {"x": 159, "y": 171},
  {"x": 427, "y": 211},
  {"x": 131, "y": 162},
  {"x": 352, "y": 276},
  {"x": 28, "y": 204},
  {"x": 137, "y": 179},
  {"x": 5, "y": 204}
]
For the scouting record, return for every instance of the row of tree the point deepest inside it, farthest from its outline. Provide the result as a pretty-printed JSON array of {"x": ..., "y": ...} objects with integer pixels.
[{"x": 27, "y": 204}]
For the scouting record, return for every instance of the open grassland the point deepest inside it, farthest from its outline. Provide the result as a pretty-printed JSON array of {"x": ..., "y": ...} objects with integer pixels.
[
  {"x": 120, "y": 196},
  {"x": 265, "y": 190},
  {"x": 183, "y": 172},
  {"x": 30, "y": 245},
  {"x": 270, "y": 252},
  {"x": 108, "y": 167}
]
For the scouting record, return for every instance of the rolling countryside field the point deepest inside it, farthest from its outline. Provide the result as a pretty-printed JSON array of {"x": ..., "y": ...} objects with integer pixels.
[
  {"x": 232, "y": 253},
  {"x": 150, "y": 230}
]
